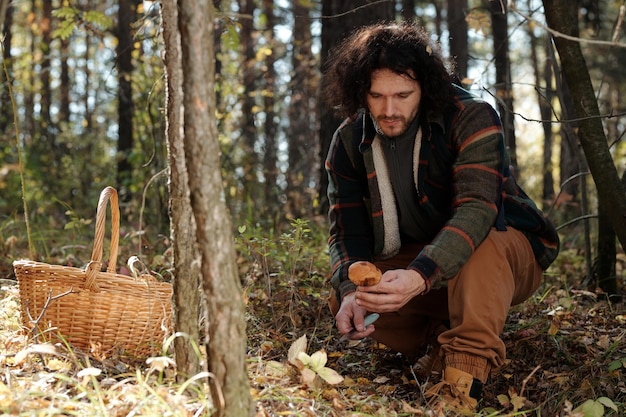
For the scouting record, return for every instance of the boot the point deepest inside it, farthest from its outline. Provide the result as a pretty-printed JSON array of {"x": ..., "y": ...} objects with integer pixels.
[
  {"x": 458, "y": 391},
  {"x": 429, "y": 365}
]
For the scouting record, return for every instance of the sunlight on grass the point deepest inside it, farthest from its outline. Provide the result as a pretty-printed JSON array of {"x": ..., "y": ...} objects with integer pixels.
[
  {"x": 566, "y": 349},
  {"x": 69, "y": 384}
]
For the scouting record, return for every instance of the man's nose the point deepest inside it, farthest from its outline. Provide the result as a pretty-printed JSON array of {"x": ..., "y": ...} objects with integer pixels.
[{"x": 389, "y": 106}]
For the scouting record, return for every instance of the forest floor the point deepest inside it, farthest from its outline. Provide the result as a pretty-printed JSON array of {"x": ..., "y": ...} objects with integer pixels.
[{"x": 566, "y": 351}]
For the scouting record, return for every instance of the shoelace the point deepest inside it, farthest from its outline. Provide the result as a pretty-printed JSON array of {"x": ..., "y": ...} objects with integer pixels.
[{"x": 443, "y": 388}]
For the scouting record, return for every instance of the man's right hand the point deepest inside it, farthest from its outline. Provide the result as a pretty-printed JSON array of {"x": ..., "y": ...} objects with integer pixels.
[{"x": 350, "y": 317}]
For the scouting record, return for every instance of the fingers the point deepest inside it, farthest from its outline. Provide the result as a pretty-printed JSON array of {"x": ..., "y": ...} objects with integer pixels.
[
  {"x": 350, "y": 315},
  {"x": 355, "y": 335},
  {"x": 380, "y": 303}
]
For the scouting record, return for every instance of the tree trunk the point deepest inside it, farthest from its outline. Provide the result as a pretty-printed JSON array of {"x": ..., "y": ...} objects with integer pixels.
[
  {"x": 302, "y": 116},
  {"x": 545, "y": 96},
  {"x": 604, "y": 265},
  {"x": 270, "y": 156},
  {"x": 503, "y": 76},
  {"x": 126, "y": 16},
  {"x": 6, "y": 107},
  {"x": 249, "y": 72},
  {"x": 457, "y": 27},
  {"x": 338, "y": 24},
  {"x": 186, "y": 283},
  {"x": 29, "y": 95},
  {"x": 64, "y": 108},
  {"x": 217, "y": 46},
  {"x": 44, "y": 77},
  {"x": 87, "y": 96},
  {"x": 545, "y": 109},
  {"x": 408, "y": 10},
  {"x": 562, "y": 17},
  {"x": 227, "y": 328},
  {"x": 576, "y": 164},
  {"x": 570, "y": 165}
]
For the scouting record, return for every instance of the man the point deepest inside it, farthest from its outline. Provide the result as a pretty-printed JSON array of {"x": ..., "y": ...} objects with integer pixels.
[{"x": 420, "y": 185}]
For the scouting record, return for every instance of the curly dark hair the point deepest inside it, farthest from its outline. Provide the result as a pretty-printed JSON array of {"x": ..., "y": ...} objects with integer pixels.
[{"x": 403, "y": 48}]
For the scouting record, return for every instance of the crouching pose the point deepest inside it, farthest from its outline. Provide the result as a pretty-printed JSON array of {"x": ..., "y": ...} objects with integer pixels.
[{"x": 420, "y": 185}]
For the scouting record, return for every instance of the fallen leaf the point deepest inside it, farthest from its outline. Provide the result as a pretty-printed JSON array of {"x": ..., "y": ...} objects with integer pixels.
[
  {"x": 89, "y": 372},
  {"x": 38, "y": 349},
  {"x": 159, "y": 363},
  {"x": 297, "y": 347},
  {"x": 386, "y": 389},
  {"x": 307, "y": 376},
  {"x": 318, "y": 360},
  {"x": 330, "y": 375},
  {"x": 604, "y": 342},
  {"x": 58, "y": 365}
]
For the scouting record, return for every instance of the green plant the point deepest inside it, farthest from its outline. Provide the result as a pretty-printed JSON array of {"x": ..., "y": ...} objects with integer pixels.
[
  {"x": 284, "y": 270},
  {"x": 595, "y": 408},
  {"x": 311, "y": 367}
]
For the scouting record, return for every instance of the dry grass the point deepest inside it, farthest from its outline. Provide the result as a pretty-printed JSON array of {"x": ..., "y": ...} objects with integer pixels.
[{"x": 566, "y": 346}]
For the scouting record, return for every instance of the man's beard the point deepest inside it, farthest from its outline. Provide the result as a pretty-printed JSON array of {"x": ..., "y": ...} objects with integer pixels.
[{"x": 380, "y": 131}]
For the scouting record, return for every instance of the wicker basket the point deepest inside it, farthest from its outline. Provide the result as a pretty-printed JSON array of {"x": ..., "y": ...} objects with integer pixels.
[{"x": 102, "y": 313}]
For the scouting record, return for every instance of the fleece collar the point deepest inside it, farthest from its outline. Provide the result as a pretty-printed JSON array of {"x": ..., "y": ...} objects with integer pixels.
[{"x": 391, "y": 228}]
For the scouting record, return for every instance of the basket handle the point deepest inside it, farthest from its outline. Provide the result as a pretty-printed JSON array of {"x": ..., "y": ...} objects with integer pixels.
[{"x": 109, "y": 194}]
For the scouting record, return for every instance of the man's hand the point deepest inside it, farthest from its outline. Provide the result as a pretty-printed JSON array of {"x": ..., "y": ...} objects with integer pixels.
[
  {"x": 350, "y": 317},
  {"x": 394, "y": 290}
]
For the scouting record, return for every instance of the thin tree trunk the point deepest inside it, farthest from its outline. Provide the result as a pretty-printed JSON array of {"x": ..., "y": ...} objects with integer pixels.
[
  {"x": 88, "y": 95},
  {"x": 570, "y": 164},
  {"x": 250, "y": 74},
  {"x": 270, "y": 156},
  {"x": 126, "y": 17},
  {"x": 302, "y": 116},
  {"x": 227, "y": 327},
  {"x": 503, "y": 75},
  {"x": 562, "y": 17},
  {"x": 457, "y": 27},
  {"x": 6, "y": 107},
  {"x": 217, "y": 34},
  {"x": 604, "y": 265},
  {"x": 29, "y": 95},
  {"x": 186, "y": 283},
  {"x": 571, "y": 151},
  {"x": 64, "y": 108},
  {"x": 545, "y": 109},
  {"x": 408, "y": 10},
  {"x": 4, "y": 8},
  {"x": 545, "y": 96},
  {"x": 44, "y": 75}
]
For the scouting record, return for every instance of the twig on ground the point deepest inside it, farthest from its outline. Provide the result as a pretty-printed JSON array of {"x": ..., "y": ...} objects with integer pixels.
[{"x": 521, "y": 393}]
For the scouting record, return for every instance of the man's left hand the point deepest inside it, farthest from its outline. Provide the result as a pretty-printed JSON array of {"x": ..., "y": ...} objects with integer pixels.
[{"x": 394, "y": 290}]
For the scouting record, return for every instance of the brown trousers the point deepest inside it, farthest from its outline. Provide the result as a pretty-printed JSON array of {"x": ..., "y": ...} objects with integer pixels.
[{"x": 501, "y": 272}]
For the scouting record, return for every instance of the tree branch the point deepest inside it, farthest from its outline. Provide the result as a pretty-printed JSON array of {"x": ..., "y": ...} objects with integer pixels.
[{"x": 558, "y": 34}]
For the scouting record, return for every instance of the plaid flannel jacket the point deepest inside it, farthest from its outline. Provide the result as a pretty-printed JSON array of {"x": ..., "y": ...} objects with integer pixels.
[{"x": 463, "y": 175}]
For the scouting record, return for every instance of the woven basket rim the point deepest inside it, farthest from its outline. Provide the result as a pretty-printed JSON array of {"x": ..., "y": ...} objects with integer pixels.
[
  {"x": 126, "y": 280},
  {"x": 112, "y": 292}
]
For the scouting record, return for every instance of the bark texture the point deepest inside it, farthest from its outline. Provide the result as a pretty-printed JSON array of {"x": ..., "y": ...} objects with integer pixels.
[
  {"x": 186, "y": 283},
  {"x": 562, "y": 17},
  {"x": 226, "y": 345}
]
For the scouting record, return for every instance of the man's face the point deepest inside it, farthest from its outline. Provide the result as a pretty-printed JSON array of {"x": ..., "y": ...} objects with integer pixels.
[{"x": 393, "y": 100}]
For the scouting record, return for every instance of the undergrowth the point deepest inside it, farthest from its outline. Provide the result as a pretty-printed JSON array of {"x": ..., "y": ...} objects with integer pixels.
[{"x": 566, "y": 349}]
